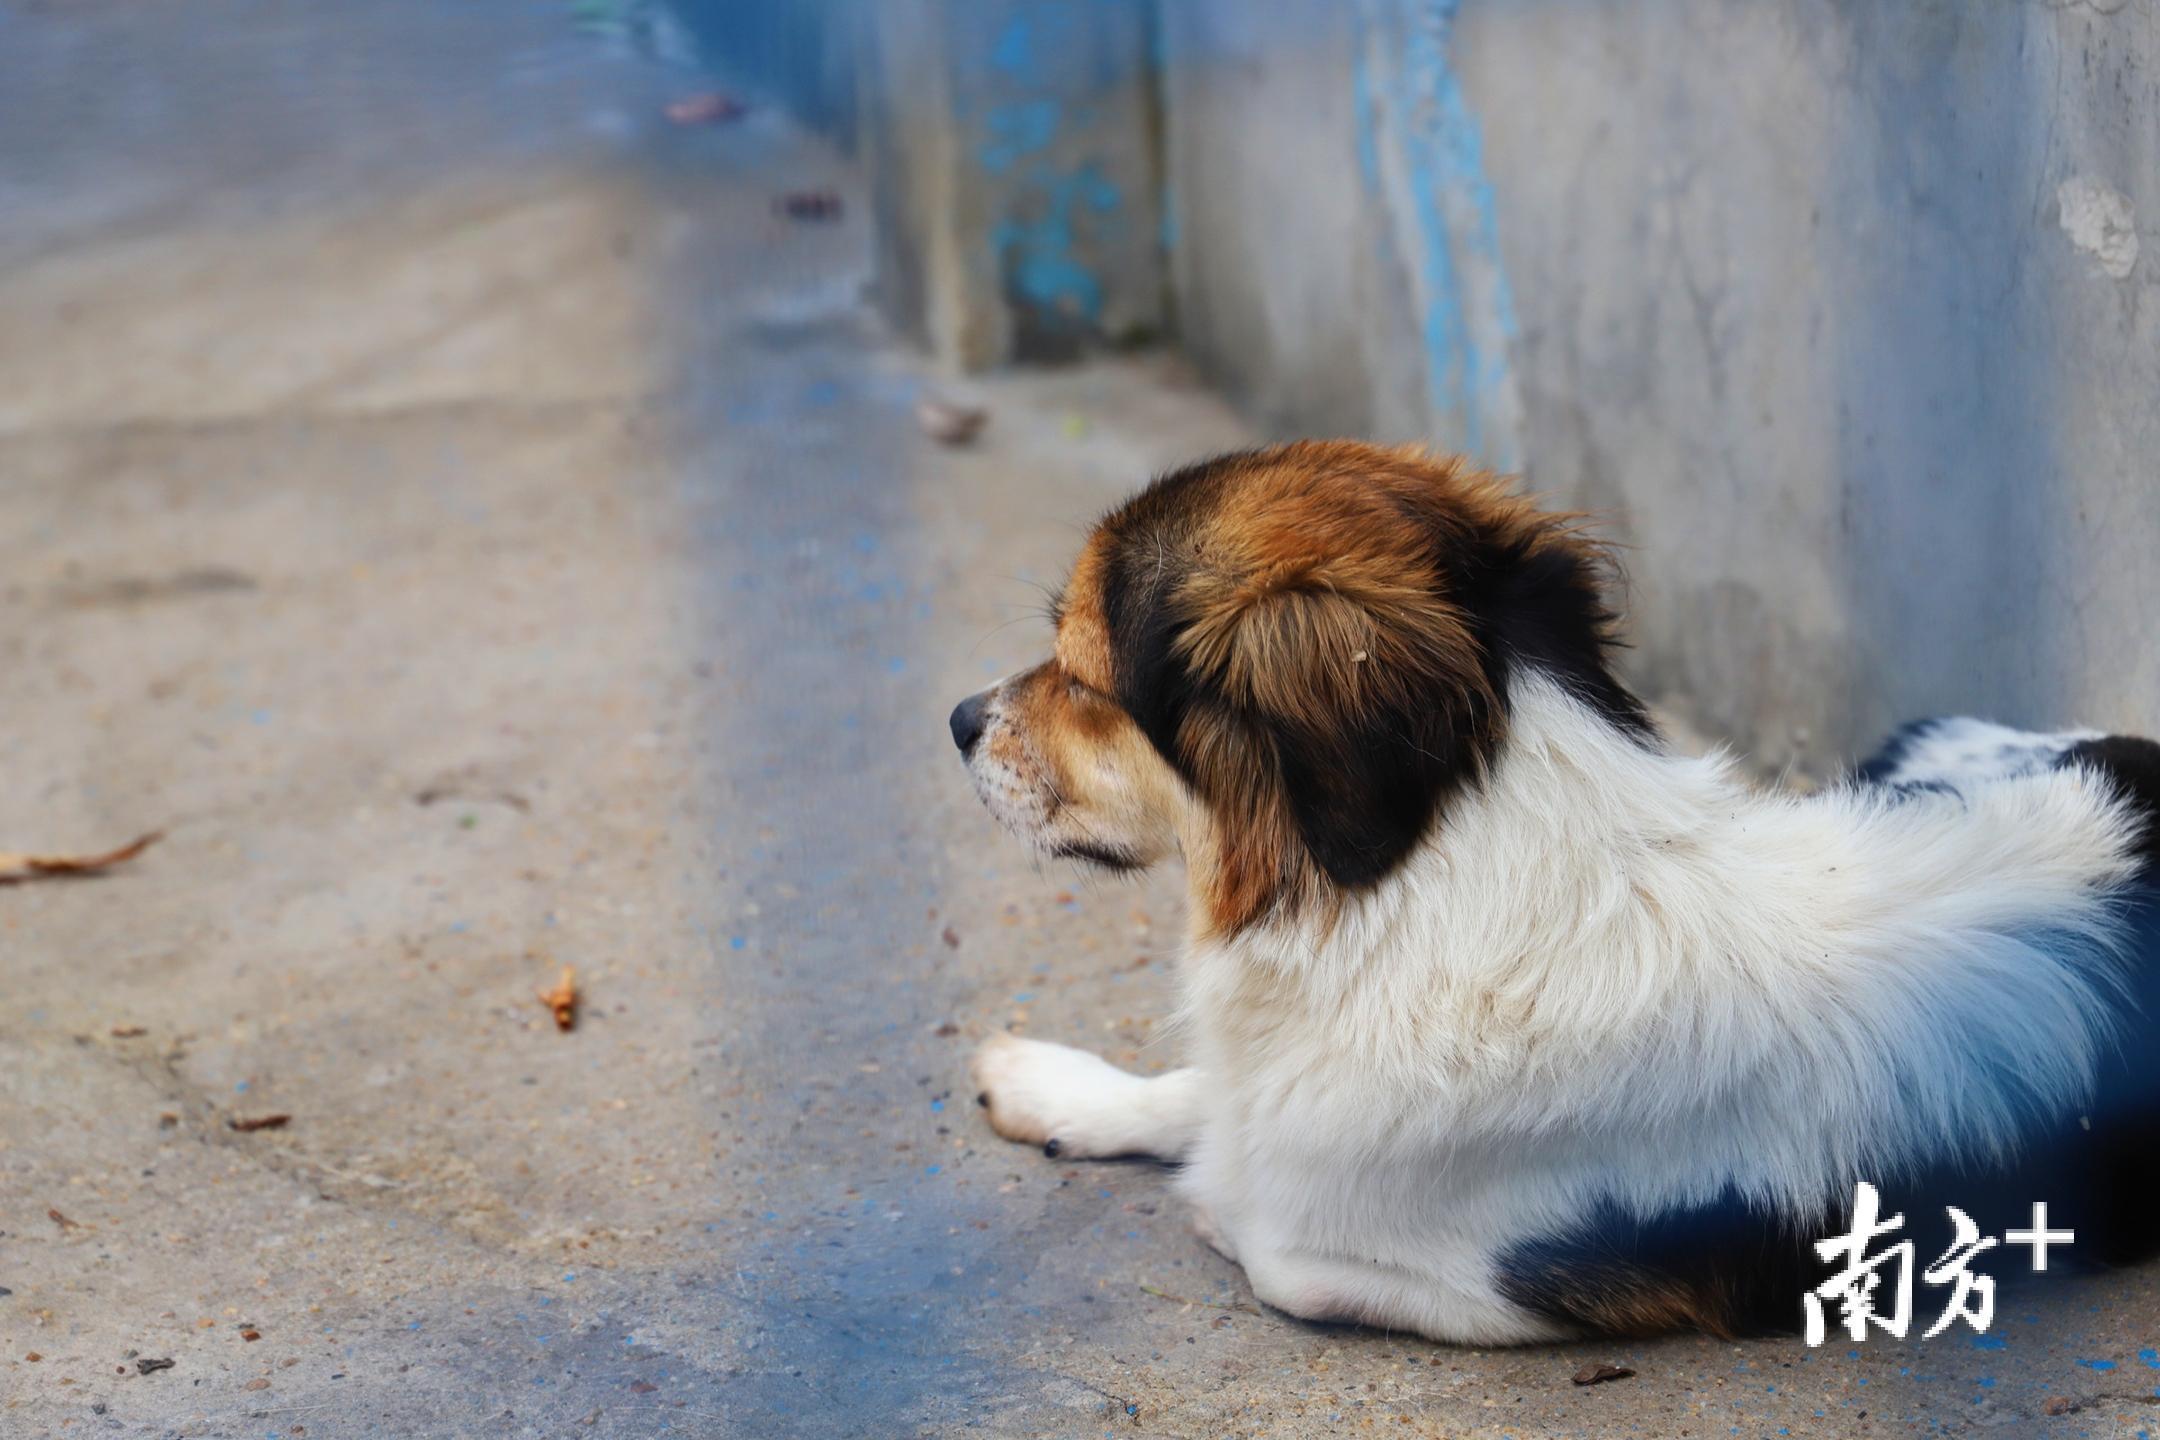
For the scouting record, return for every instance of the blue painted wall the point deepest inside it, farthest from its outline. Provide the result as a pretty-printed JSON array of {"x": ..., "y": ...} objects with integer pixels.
[
  {"x": 1339, "y": 262},
  {"x": 1048, "y": 98},
  {"x": 1422, "y": 155},
  {"x": 1011, "y": 149}
]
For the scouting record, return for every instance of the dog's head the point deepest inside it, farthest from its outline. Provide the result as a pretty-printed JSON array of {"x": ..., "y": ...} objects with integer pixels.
[{"x": 1285, "y": 662}]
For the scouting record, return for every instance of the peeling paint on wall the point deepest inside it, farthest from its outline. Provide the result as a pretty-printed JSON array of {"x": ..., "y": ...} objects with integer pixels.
[
  {"x": 1016, "y": 132},
  {"x": 1040, "y": 255},
  {"x": 1421, "y": 150},
  {"x": 1044, "y": 92},
  {"x": 2099, "y": 221}
]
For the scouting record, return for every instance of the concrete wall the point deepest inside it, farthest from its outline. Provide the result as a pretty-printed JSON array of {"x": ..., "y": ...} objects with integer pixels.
[
  {"x": 1835, "y": 309},
  {"x": 1284, "y": 283},
  {"x": 1337, "y": 261}
]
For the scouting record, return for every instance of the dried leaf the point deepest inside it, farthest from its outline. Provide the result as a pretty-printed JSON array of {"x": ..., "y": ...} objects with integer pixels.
[
  {"x": 61, "y": 1220},
  {"x": 35, "y": 867},
  {"x": 563, "y": 999},
  {"x": 1595, "y": 1374},
  {"x": 128, "y": 1032},
  {"x": 259, "y": 1122}
]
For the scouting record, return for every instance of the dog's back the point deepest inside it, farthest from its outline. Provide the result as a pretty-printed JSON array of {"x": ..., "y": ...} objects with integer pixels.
[
  {"x": 2099, "y": 1169},
  {"x": 2094, "y": 1164}
]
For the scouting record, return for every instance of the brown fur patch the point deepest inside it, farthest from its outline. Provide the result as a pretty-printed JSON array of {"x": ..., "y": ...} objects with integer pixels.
[
  {"x": 1299, "y": 632},
  {"x": 1083, "y": 639},
  {"x": 1615, "y": 1301}
]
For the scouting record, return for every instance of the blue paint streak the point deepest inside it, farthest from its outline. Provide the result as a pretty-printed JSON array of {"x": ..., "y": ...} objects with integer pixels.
[{"x": 1466, "y": 335}]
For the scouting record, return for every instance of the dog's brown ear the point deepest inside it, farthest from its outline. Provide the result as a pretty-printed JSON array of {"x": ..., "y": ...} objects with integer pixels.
[
  {"x": 1318, "y": 637},
  {"x": 1350, "y": 706}
]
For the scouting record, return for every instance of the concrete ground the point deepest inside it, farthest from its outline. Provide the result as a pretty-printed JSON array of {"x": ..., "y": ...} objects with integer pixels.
[{"x": 486, "y": 537}]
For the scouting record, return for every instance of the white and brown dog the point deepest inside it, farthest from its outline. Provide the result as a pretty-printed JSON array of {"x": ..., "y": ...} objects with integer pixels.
[{"x": 1507, "y": 1022}]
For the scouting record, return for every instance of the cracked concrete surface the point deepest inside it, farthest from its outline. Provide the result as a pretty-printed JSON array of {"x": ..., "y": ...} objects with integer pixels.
[{"x": 449, "y": 501}]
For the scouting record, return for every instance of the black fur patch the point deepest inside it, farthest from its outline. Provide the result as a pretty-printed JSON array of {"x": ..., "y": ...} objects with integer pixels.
[
  {"x": 1362, "y": 798},
  {"x": 2132, "y": 763},
  {"x": 1879, "y": 767},
  {"x": 1546, "y": 610},
  {"x": 1728, "y": 1267}
]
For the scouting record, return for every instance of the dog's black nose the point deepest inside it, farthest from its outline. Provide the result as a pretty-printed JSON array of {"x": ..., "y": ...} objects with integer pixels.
[{"x": 967, "y": 721}]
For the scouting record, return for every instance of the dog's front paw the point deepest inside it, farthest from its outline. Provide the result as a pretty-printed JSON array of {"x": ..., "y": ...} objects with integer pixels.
[{"x": 1048, "y": 1095}]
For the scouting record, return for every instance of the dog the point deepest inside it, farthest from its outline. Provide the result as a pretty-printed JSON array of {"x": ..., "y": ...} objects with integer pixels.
[{"x": 1507, "y": 1022}]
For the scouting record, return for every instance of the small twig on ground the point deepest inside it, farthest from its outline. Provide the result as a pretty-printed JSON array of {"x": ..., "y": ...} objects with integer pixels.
[{"x": 1162, "y": 1294}]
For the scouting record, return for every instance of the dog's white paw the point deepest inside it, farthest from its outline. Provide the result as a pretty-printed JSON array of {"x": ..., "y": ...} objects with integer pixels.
[{"x": 1062, "y": 1099}]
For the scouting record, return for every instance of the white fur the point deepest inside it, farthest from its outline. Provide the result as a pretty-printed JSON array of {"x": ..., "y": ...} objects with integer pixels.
[{"x": 1618, "y": 974}]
